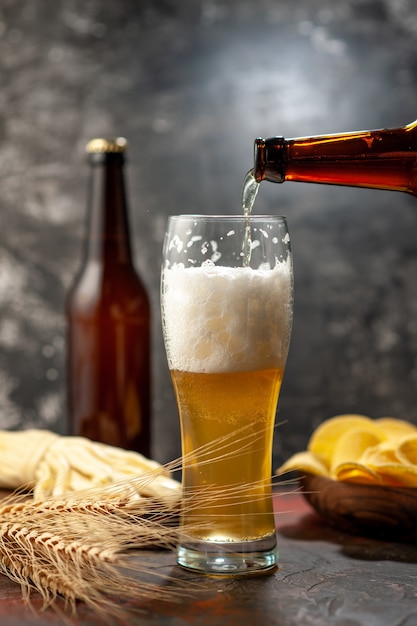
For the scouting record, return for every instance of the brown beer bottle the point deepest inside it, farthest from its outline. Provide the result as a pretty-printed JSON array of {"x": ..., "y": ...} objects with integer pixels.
[
  {"x": 108, "y": 316},
  {"x": 379, "y": 159}
]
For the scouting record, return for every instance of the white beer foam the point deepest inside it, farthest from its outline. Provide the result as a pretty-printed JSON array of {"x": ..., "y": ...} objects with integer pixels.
[{"x": 220, "y": 319}]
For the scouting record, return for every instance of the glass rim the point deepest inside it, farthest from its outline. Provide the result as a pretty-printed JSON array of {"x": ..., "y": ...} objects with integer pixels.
[{"x": 224, "y": 217}]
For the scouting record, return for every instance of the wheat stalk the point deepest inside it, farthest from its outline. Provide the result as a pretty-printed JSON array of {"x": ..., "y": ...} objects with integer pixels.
[{"x": 79, "y": 546}]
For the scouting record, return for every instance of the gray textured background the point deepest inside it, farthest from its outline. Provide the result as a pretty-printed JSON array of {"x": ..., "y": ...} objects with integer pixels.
[{"x": 191, "y": 83}]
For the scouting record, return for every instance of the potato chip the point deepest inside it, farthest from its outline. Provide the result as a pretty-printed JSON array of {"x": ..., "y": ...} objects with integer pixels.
[
  {"x": 407, "y": 450},
  {"x": 356, "y": 473},
  {"x": 323, "y": 440},
  {"x": 383, "y": 454},
  {"x": 303, "y": 462},
  {"x": 353, "y": 443},
  {"x": 358, "y": 449},
  {"x": 394, "y": 428},
  {"x": 397, "y": 475}
]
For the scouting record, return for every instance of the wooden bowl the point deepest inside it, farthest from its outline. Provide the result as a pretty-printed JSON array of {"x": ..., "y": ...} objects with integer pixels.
[{"x": 376, "y": 511}]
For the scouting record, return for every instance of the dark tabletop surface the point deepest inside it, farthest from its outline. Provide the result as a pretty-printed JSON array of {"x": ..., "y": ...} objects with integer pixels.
[{"x": 324, "y": 577}]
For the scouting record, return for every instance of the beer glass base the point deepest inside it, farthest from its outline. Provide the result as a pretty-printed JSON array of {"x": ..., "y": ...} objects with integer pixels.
[{"x": 229, "y": 558}]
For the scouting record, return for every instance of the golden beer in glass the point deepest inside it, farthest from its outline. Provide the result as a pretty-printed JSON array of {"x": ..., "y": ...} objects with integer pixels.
[{"x": 226, "y": 299}]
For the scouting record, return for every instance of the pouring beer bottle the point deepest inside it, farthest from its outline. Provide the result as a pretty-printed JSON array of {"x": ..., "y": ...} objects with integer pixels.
[
  {"x": 379, "y": 159},
  {"x": 108, "y": 318}
]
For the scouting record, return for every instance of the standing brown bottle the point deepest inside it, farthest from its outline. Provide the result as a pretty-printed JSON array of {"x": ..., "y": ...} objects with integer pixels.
[
  {"x": 380, "y": 159},
  {"x": 108, "y": 318}
]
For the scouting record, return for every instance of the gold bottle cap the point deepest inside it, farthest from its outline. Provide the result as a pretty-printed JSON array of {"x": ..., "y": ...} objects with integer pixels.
[{"x": 103, "y": 145}]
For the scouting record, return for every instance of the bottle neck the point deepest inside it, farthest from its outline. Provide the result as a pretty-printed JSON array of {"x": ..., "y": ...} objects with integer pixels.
[
  {"x": 108, "y": 231},
  {"x": 382, "y": 159},
  {"x": 270, "y": 159}
]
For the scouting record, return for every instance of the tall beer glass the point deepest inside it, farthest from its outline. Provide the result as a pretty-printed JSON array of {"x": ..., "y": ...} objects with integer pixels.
[{"x": 226, "y": 295}]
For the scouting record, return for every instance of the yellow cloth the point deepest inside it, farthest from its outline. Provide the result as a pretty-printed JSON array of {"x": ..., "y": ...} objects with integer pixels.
[
  {"x": 358, "y": 449},
  {"x": 53, "y": 465}
]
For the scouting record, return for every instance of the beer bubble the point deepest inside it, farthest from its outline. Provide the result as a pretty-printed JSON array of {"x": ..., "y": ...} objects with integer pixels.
[
  {"x": 235, "y": 345},
  {"x": 193, "y": 240},
  {"x": 177, "y": 243},
  {"x": 203, "y": 349},
  {"x": 214, "y": 324}
]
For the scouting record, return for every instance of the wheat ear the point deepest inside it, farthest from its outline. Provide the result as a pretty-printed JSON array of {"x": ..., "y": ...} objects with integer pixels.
[{"x": 78, "y": 546}]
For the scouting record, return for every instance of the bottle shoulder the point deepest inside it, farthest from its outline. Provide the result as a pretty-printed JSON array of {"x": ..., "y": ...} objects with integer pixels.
[{"x": 97, "y": 289}]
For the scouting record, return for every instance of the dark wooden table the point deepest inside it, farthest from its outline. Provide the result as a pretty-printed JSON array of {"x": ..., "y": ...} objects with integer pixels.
[{"x": 325, "y": 577}]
